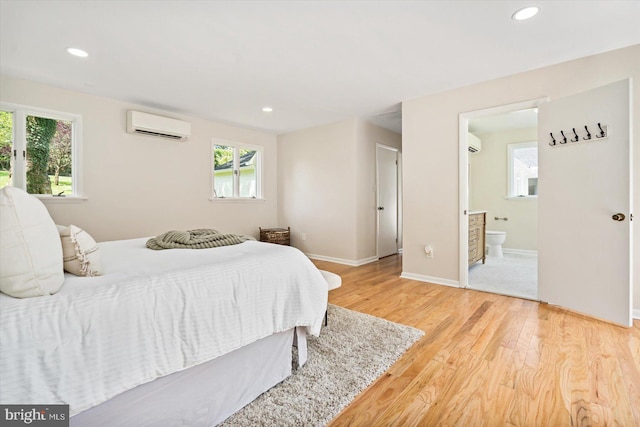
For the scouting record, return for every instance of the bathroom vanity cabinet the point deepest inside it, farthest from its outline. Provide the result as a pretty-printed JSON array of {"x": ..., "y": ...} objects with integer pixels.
[{"x": 477, "y": 221}]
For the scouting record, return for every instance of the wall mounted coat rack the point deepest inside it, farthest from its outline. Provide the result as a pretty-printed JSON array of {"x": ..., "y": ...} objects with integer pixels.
[{"x": 600, "y": 132}]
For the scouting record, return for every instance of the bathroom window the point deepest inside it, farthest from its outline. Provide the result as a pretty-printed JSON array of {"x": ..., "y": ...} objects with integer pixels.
[{"x": 523, "y": 169}]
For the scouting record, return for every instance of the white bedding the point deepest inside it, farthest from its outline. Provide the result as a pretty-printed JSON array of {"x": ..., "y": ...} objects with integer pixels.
[{"x": 151, "y": 313}]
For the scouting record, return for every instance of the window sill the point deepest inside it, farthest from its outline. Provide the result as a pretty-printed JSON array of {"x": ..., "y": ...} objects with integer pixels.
[
  {"x": 236, "y": 200},
  {"x": 58, "y": 199},
  {"x": 521, "y": 197}
]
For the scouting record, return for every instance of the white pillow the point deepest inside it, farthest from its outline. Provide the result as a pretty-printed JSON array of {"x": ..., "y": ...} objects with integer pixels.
[
  {"x": 30, "y": 248},
  {"x": 81, "y": 253}
]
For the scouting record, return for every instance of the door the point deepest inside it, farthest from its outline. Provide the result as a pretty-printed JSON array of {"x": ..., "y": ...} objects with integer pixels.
[
  {"x": 387, "y": 184},
  {"x": 584, "y": 245}
]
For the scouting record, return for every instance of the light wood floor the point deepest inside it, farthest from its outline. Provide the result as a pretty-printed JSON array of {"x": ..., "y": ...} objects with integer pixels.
[{"x": 488, "y": 359}]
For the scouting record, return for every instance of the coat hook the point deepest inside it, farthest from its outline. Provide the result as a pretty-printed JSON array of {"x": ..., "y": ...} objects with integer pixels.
[
  {"x": 588, "y": 137},
  {"x": 563, "y": 137},
  {"x": 602, "y": 134},
  {"x": 577, "y": 137},
  {"x": 553, "y": 139}
]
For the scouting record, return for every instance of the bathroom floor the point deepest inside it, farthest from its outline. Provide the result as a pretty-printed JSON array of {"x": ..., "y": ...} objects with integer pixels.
[{"x": 513, "y": 275}]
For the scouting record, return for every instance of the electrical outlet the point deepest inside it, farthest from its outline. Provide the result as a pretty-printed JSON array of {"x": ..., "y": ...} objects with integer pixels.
[
  {"x": 428, "y": 250},
  {"x": 303, "y": 236}
]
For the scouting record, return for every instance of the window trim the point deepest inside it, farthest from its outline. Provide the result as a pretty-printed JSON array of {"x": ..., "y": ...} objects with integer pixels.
[
  {"x": 20, "y": 113},
  {"x": 237, "y": 146},
  {"x": 511, "y": 147}
]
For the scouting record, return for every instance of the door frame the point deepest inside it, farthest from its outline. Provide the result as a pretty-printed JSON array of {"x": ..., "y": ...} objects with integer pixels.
[
  {"x": 397, "y": 151},
  {"x": 463, "y": 176}
]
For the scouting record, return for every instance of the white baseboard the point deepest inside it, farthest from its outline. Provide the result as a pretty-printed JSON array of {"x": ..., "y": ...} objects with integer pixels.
[
  {"x": 520, "y": 252},
  {"x": 636, "y": 313},
  {"x": 350, "y": 262},
  {"x": 431, "y": 279}
]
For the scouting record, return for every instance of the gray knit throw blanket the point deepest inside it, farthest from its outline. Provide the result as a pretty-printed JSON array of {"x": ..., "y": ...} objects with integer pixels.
[{"x": 195, "y": 239}]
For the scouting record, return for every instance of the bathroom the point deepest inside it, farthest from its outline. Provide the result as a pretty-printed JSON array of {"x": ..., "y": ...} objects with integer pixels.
[{"x": 503, "y": 182}]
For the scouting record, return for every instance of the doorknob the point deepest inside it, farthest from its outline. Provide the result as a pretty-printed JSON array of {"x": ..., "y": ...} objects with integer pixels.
[
  {"x": 618, "y": 217},
  {"x": 380, "y": 208}
]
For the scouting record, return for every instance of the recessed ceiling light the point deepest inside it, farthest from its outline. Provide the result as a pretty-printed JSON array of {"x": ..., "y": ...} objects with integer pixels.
[
  {"x": 77, "y": 52},
  {"x": 267, "y": 109},
  {"x": 525, "y": 13}
]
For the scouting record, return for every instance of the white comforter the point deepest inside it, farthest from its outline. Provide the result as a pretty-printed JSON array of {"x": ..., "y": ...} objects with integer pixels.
[{"x": 152, "y": 313}]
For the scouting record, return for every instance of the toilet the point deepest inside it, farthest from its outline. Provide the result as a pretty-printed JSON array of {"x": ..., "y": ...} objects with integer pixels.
[{"x": 494, "y": 241}]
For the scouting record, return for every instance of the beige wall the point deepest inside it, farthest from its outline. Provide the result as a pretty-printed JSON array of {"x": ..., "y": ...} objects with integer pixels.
[
  {"x": 140, "y": 186},
  {"x": 326, "y": 187},
  {"x": 317, "y": 195},
  {"x": 430, "y": 151},
  {"x": 488, "y": 175}
]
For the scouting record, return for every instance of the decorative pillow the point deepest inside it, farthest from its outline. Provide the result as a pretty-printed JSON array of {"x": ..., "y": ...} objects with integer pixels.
[
  {"x": 81, "y": 253},
  {"x": 30, "y": 249}
]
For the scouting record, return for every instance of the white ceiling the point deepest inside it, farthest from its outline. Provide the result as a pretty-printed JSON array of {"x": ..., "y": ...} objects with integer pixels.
[{"x": 314, "y": 62}]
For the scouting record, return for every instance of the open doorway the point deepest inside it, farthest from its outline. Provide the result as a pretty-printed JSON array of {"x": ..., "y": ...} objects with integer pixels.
[{"x": 499, "y": 197}]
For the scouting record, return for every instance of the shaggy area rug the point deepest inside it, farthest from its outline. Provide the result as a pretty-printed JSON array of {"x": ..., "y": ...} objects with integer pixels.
[{"x": 351, "y": 352}]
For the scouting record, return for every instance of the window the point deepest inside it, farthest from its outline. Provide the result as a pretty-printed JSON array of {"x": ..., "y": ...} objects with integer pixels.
[
  {"x": 523, "y": 169},
  {"x": 237, "y": 171},
  {"x": 39, "y": 151}
]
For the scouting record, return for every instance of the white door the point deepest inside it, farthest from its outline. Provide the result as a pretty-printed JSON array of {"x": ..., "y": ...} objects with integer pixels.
[
  {"x": 584, "y": 248},
  {"x": 387, "y": 184}
]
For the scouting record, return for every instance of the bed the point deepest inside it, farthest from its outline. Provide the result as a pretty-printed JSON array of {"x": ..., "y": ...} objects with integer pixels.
[{"x": 170, "y": 337}]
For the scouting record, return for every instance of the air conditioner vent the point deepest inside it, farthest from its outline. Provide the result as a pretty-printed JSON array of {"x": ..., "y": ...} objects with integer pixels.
[
  {"x": 158, "y": 126},
  {"x": 474, "y": 143},
  {"x": 163, "y": 135}
]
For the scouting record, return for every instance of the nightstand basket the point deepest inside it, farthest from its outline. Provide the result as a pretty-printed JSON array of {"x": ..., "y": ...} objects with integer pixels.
[{"x": 279, "y": 236}]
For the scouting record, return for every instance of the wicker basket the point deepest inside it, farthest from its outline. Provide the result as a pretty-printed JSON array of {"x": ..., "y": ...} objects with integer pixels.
[{"x": 279, "y": 236}]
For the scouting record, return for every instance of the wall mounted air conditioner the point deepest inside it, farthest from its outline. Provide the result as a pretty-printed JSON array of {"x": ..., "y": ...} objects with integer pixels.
[
  {"x": 475, "y": 144},
  {"x": 153, "y": 125}
]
